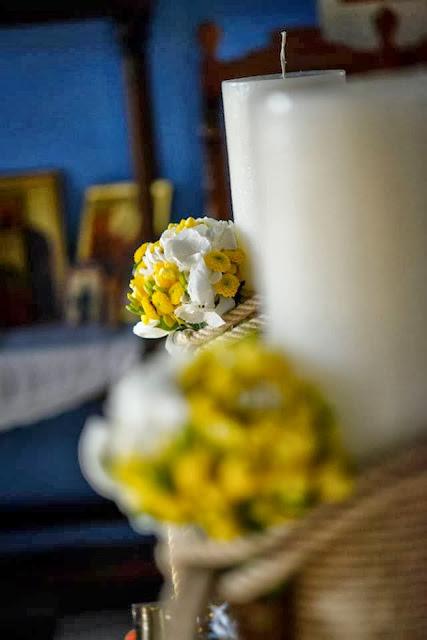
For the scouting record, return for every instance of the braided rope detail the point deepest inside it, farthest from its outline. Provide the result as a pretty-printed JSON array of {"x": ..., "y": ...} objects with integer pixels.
[
  {"x": 237, "y": 315},
  {"x": 258, "y": 563},
  {"x": 242, "y": 330},
  {"x": 259, "y": 577}
]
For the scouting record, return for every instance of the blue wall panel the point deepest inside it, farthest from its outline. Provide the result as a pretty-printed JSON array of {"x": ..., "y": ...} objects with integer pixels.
[
  {"x": 62, "y": 102},
  {"x": 62, "y": 105}
]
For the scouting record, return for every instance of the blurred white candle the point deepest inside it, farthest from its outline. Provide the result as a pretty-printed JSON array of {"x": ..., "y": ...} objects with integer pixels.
[
  {"x": 344, "y": 193},
  {"x": 238, "y": 97}
]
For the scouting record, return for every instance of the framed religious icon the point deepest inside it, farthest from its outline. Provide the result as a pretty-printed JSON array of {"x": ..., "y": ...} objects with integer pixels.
[
  {"x": 110, "y": 230},
  {"x": 33, "y": 259},
  {"x": 110, "y": 227}
]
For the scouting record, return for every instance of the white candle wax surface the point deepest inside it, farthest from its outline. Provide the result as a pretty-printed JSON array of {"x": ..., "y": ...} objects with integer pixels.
[
  {"x": 344, "y": 193},
  {"x": 238, "y": 97}
]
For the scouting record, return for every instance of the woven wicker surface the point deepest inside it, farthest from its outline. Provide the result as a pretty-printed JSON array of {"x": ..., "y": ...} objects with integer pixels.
[{"x": 358, "y": 570}]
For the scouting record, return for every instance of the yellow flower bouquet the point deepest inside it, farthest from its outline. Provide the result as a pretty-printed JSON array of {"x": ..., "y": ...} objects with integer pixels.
[
  {"x": 231, "y": 442},
  {"x": 188, "y": 279}
]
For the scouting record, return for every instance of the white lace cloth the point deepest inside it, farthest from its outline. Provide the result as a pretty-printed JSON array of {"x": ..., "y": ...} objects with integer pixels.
[{"x": 39, "y": 381}]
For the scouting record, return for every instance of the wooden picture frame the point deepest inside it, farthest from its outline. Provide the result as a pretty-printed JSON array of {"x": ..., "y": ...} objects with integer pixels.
[
  {"x": 110, "y": 227},
  {"x": 33, "y": 256}
]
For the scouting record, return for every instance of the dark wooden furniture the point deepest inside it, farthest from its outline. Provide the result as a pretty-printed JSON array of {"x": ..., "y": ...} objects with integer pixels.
[
  {"x": 306, "y": 49},
  {"x": 131, "y": 18}
]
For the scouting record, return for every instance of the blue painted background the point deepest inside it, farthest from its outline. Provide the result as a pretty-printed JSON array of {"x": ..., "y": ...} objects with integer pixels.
[{"x": 62, "y": 102}]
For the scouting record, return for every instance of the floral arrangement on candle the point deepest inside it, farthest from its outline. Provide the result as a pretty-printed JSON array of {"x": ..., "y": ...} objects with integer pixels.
[
  {"x": 188, "y": 279},
  {"x": 232, "y": 442}
]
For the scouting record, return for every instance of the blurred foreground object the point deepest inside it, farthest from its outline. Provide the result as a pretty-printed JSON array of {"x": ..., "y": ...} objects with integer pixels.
[
  {"x": 353, "y": 571},
  {"x": 193, "y": 446},
  {"x": 162, "y": 193},
  {"x": 149, "y": 621},
  {"x": 343, "y": 202}
]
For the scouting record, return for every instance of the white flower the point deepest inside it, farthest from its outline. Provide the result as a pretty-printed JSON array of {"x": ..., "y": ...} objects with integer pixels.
[
  {"x": 145, "y": 407},
  {"x": 199, "y": 286},
  {"x": 224, "y": 306},
  {"x": 194, "y": 314},
  {"x": 144, "y": 411},
  {"x": 190, "y": 313},
  {"x": 149, "y": 330},
  {"x": 185, "y": 248},
  {"x": 222, "y": 234}
]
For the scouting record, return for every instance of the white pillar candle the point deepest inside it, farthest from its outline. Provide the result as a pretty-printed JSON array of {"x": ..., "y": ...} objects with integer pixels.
[
  {"x": 344, "y": 196},
  {"x": 238, "y": 97}
]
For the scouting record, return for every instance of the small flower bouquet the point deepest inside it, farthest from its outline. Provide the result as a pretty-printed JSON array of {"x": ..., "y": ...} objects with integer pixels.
[
  {"x": 188, "y": 279},
  {"x": 230, "y": 443}
]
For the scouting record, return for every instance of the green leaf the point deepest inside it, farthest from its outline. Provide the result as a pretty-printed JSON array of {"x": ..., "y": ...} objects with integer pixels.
[
  {"x": 198, "y": 326},
  {"x": 133, "y": 310}
]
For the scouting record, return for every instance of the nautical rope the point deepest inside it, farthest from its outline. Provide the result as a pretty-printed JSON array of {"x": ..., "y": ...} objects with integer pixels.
[
  {"x": 237, "y": 315},
  {"x": 259, "y": 563}
]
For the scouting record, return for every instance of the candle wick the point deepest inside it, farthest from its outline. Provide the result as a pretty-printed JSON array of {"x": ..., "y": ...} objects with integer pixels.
[{"x": 283, "y": 53}]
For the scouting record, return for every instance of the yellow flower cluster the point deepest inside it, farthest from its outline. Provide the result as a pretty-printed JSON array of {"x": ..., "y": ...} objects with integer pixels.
[
  {"x": 226, "y": 263},
  {"x": 157, "y": 292},
  {"x": 260, "y": 448},
  {"x": 156, "y": 296}
]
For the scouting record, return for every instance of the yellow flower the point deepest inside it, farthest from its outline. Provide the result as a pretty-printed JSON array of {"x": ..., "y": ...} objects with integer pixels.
[
  {"x": 333, "y": 482},
  {"x": 216, "y": 426},
  {"x": 191, "y": 471},
  {"x": 233, "y": 269},
  {"x": 293, "y": 486},
  {"x": 162, "y": 303},
  {"x": 137, "y": 285},
  {"x": 170, "y": 321},
  {"x": 266, "y": 513},
  {"x": 163, "y": 506},
  {"x": 175, "y": 293},
  {"x": 190, "y": 222},
  {"x": 236, "y": 478},
  {"x": 298, "y": 443},
  {"x": 221, "y": 525},
  {"x": 166, "y": 275},
  {"x": 149, "y": 310},
  {"x": 217, "y": 261},
  {"x": 140, "y": 253},
  {"x": 235, "y": 255},
  {"x": 227, "y": 286}
]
